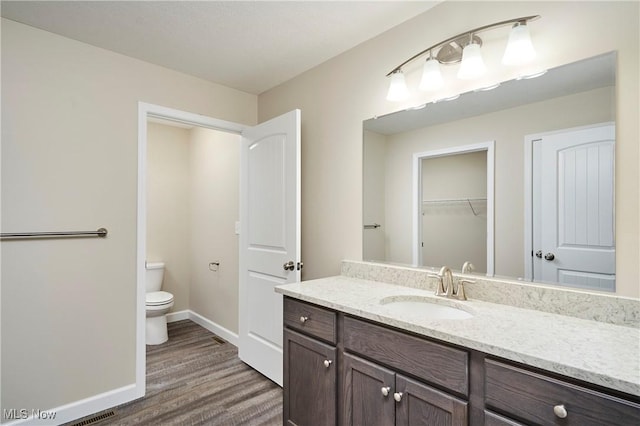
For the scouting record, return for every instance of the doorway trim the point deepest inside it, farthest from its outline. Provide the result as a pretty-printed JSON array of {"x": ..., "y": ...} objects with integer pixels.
[
  {"x": 489, "y": 147},
  {"x": 146, "y": 111}
]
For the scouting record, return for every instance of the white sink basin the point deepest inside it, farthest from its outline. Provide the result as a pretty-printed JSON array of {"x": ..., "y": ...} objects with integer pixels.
[{"x": 424, "y": 307}]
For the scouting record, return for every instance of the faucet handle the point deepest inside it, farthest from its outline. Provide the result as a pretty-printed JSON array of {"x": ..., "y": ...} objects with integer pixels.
[
  {"x": 459, "y": 293},
  {"x": 468, "y": 267},
  {"x": 440, "y": 291}
]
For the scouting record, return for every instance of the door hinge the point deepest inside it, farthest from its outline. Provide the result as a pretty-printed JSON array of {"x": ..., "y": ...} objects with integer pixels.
[{"x": 300, "y": 265}]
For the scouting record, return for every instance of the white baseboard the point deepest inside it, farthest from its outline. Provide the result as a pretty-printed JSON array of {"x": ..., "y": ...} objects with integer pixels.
[
  {"x": 178, "y": 316},
  {"x": 213, "y": 327},
  {"x": 76, "y": 410},
  {"x": 216, "y": 329}
]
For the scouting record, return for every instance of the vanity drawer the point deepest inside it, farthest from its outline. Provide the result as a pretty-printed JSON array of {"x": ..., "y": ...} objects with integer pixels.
[
  {"x": 431, "y": 362},
  {"x": 310, "y": 319},
  {"x": 532, "y": 397}
]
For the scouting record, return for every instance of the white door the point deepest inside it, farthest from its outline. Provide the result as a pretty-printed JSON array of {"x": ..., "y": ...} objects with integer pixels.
[
  {"x": 573, "y": 238},
  {"x": 269, "y": 237}
]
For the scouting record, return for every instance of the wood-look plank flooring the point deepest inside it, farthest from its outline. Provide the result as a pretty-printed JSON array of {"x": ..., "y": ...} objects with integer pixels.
[{"x": 196, "y": 378}]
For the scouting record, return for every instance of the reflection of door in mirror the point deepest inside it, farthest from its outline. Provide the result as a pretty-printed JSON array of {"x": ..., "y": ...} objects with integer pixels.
[
  {"x": 572, "y": 226},
  {"x": 454, "y": 210}
]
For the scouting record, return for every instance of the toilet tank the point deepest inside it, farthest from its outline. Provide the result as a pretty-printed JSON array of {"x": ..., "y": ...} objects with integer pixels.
[{"x": 153, "y": 276}]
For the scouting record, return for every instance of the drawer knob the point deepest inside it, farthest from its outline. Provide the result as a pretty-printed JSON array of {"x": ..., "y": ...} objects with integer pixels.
[
  {"x": 327, "y": 363},
  {"x": 560, "y": 411},
  {"x": 304, "y": 319},
  {"x": 385, "y": 390},
  {"x": 397, "y": 396}
]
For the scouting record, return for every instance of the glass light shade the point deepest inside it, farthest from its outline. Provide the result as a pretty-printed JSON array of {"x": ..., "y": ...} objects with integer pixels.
[
  {"x": 431, "y": 76},
  {"x": 472, "y": 65},
  {"x": 519, "y": 48},
  {"x": 398, "y": 90}
]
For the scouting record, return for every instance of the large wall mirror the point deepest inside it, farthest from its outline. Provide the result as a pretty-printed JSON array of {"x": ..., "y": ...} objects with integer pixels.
[{"x": 517, "y": 180}]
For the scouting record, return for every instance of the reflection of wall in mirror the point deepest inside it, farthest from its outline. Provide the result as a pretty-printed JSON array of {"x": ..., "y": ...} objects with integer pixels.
[
  {"x": 452, "y": 231},
  {"x": 373, "y": 245},
  {"x": 508, "y": 128}
]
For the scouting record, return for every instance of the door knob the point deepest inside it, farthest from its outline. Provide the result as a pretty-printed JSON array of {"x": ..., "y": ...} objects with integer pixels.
[
  {"x": 289, "y": 266},
  {"x": 539, "y": 254},
  {"x": 549, "y": 256}
]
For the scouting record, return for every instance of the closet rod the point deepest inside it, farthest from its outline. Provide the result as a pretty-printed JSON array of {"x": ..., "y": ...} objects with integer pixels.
[
  {"x": 454, "y": 200},
  {"x": 101, "y": 233}
]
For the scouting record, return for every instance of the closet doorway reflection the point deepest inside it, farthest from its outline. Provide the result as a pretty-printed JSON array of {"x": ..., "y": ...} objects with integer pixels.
[{"x": 453, "y": 207}]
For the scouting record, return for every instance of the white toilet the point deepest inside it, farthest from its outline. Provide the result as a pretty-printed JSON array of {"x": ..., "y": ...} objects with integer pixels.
[{"x": 158, "y": 304}]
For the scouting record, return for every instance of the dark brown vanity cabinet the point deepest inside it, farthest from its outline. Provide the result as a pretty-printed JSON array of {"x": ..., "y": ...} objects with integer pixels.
[
  {"x": 310, "y": 381},
  {"x": 374, "y": 395},
  {"x": 386, "y": 395},
  {"x": 539, "y": 399},
  {"x": 342, "y": 370},
  {"x": 310, "y": 365}
]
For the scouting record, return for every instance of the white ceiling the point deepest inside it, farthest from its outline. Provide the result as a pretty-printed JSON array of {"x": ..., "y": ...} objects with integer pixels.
[{"x": 252, "y": 46}]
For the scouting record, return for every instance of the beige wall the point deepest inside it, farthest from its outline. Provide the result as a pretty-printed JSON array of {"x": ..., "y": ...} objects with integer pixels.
[
  {"x": 168, "y": 208},
  {"x": 374, "y": 168},
  {"x": 215, "y": 188},
  {"x": 338, "y": 95},
  {"x": 69, "y": 162}
]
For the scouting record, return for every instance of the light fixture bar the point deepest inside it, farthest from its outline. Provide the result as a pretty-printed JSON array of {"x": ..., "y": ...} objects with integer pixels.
[{"x": 466, "y": 33}]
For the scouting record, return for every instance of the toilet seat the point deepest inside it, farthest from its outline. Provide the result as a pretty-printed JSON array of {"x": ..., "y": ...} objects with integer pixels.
[{"x": 158, "y": 298}]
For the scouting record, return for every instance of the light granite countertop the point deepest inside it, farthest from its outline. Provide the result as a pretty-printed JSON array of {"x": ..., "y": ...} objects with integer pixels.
[{"x": 603, "y": 354}]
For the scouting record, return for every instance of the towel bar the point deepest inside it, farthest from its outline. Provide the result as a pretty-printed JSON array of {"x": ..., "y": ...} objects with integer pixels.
[{"x": 101, "y": 233}]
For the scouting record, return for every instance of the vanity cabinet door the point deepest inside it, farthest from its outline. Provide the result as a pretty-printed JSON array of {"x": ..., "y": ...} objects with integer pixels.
[
  {"x": 310, "y": 392},
  {"x": 493, "y": 419},
  {"x": 368, "y": 393},
  {"x": 420, "y": 404},
  {"x": 374, "y": 395}
]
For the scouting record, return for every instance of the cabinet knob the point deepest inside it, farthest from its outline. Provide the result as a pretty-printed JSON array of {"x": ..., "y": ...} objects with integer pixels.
[
  {"x": 327, "y": 363},
  {"x": 397, "y": 396},
  {"x": 560, "y": 411},
  {"x": 304, "y": 319},
  {"x": 385, "y": 390}
]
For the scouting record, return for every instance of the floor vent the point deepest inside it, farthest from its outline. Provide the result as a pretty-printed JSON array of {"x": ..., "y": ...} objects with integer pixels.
[
  {"x": 96, "y": 418},
  {"x": 219, "y": 340}
]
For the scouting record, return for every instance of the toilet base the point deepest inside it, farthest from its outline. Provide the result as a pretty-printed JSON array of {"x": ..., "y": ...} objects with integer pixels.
[{"x": 156, "y": 330}]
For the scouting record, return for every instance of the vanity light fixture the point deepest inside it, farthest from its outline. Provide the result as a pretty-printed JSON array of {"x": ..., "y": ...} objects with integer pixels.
[
  {"x": 465, "y": 49},
  {"x": 472, "y": 65},
  {"x": 398, "y": 90},
  {"x": 431, "y": 75},
  {"x": 519, "y": 48}
]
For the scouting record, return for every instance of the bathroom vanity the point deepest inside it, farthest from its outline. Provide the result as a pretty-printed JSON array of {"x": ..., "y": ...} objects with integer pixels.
[{"x": 355, "y": 353}]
